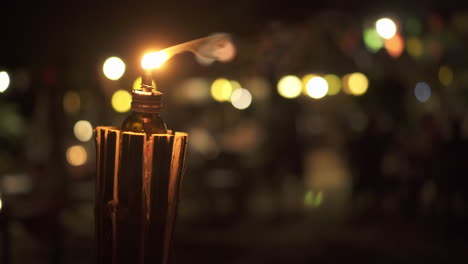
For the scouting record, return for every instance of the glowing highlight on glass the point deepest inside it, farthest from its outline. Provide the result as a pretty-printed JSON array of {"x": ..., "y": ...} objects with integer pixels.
[
  {"x": 83, "y": 130},
  {"x": 121, "y": 101},
  {"x": 317, "y": 87},
  {"x": 334, "y": 84},
  {"x": 358, "y": 83},
  {"x": 113, "y": 68},
  {"x": 4, "y": 81},
  {"x": 241, "y": 98},
  {"x": 154, "y": 60},
  {"x": 76, "y": 155},
  {"x": 289, "y": 86},
  {"x": 221, "y": 90},
  {"x": 386, "y": 28},
  {"x": 422, "y": 91}
]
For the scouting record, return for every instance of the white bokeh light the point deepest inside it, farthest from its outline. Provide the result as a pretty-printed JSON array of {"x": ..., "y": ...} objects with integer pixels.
[
  {"x": 241, "y": 98},
  {"x": 113, "y": 68},
  {"x": 386, "y": 28},
  {"x": 4, "y": 81},
  {"x": 317, "y": 87}
]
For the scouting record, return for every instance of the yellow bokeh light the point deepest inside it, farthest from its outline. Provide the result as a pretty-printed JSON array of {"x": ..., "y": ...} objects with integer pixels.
[
  {"x": 235, "y": 85},
  {"x": 113, "y": 68},
  {"x": 305, "y": 79},
  {"x": 4, "y": 81},
  {"x": 445, "y": 75},
  {"x": 358, "y": 83},
  {"x": 386, "y": 28},
  {"x": 71, "y": 102},
  {"x": 345, "y": 84},
  {"x": 289, "y": 86},
  {"x": 415, "y": 47},
  {"x": 121, "y": 101},
  {"x": 1, "y": 204},
  {"x": 241, "y": 98},
  {"x": 137, "y": 84},
  {"x": 154, "y": 60},
  {"x": 76, "y": 155},
  {"x": 221, "y": 90},
  {"x": 334, "y": 84},
  {"x": 317, "y": 87},
  {"x": 83, "y": 130}
]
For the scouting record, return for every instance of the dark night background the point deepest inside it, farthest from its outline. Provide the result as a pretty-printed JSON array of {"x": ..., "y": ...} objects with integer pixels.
[{"x": 376, "y": 178}]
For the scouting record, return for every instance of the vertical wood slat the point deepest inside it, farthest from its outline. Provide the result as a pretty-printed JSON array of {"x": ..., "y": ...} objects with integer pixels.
[
  {"x": 129, "y": 207},
  {"x": 175, "y": 180},
  {"x": 130, "y": 228},
  {"x": 154, "y": 246},
  {"x": 106, "y": 139}
]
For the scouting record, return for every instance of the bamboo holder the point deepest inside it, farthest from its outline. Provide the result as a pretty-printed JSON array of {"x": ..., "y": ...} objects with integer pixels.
[{"x": 137, "y": 188}]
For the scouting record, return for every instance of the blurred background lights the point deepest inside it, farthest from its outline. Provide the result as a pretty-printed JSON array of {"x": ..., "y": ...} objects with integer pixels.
[
  {"x": 334, "y": 84},
  {"x": 4, "y": 81},
  {"x": 71, "y": 102},
  {"x": 305, "y": 79},
  {"x": 317, "y": 87},
  {"x": 358, "y": 83},
  {"x": 445, "y": 75},
  {"x": 372, "y": 39},
  {"x": 386, "y": 28},
  {"x": 221, "y": 90},
  {"x": 414, "y": 47},
  {"x": 83, "y": 130},
  {"x": 121, "y": 101},
  {"x": 241, "y": 98},
  {"x": 76, "y": 155},
  {"x": 422, "y": 91},
  {"x": 395, "y": 46},
  {"x": 289, "y": 86},
  {"x": 113, "y": 68},
  {"x": 137, "y": 84},
  {"x": 235, "y": 85}
]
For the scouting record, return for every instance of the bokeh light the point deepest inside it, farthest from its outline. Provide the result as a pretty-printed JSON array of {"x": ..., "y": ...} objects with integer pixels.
[
  {"x": 241, "y": 98},
  {"x": 422, "y": 91},
  {"x": 334, "y": 84},
  {"x": 83, "y": 130},
  {"x": 221, "y": 90},
  {"x": 235, "y": 85},
  {"x": 76, "y": 155},
  {"x": 4, "y": 81},
  {"x": 358, "y": 83},
  {"x": 445, "y": 75},
  {"x": 289, "y": 86},
  {"x": 71, "y": 102},
  {"x": 113, "y": 68},
  {"x": 414, "y": 47},
  {"x": 154, "y": 60},
  {"x": 373, "y": 40},
  {"x": 137, "y": 84},
  {"x": 386, "y": 28},
  {"x": 395, "y": 45},
  {"x": 121, "y": 101},
  {"x": 317, "y": 87},
  {"x": 305, "y": 79},
  {"x": 413, "y": 26}
]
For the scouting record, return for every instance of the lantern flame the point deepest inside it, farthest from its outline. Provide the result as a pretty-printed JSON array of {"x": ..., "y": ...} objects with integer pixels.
[{"x": 208, "y": 49}]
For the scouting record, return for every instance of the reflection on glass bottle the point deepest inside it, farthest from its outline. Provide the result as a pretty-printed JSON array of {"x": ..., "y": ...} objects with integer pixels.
[{"x": 146, "y": 106}]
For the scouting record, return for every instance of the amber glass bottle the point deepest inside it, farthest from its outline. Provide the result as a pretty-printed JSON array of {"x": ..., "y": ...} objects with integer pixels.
[{"x": 146, "y": 106}]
